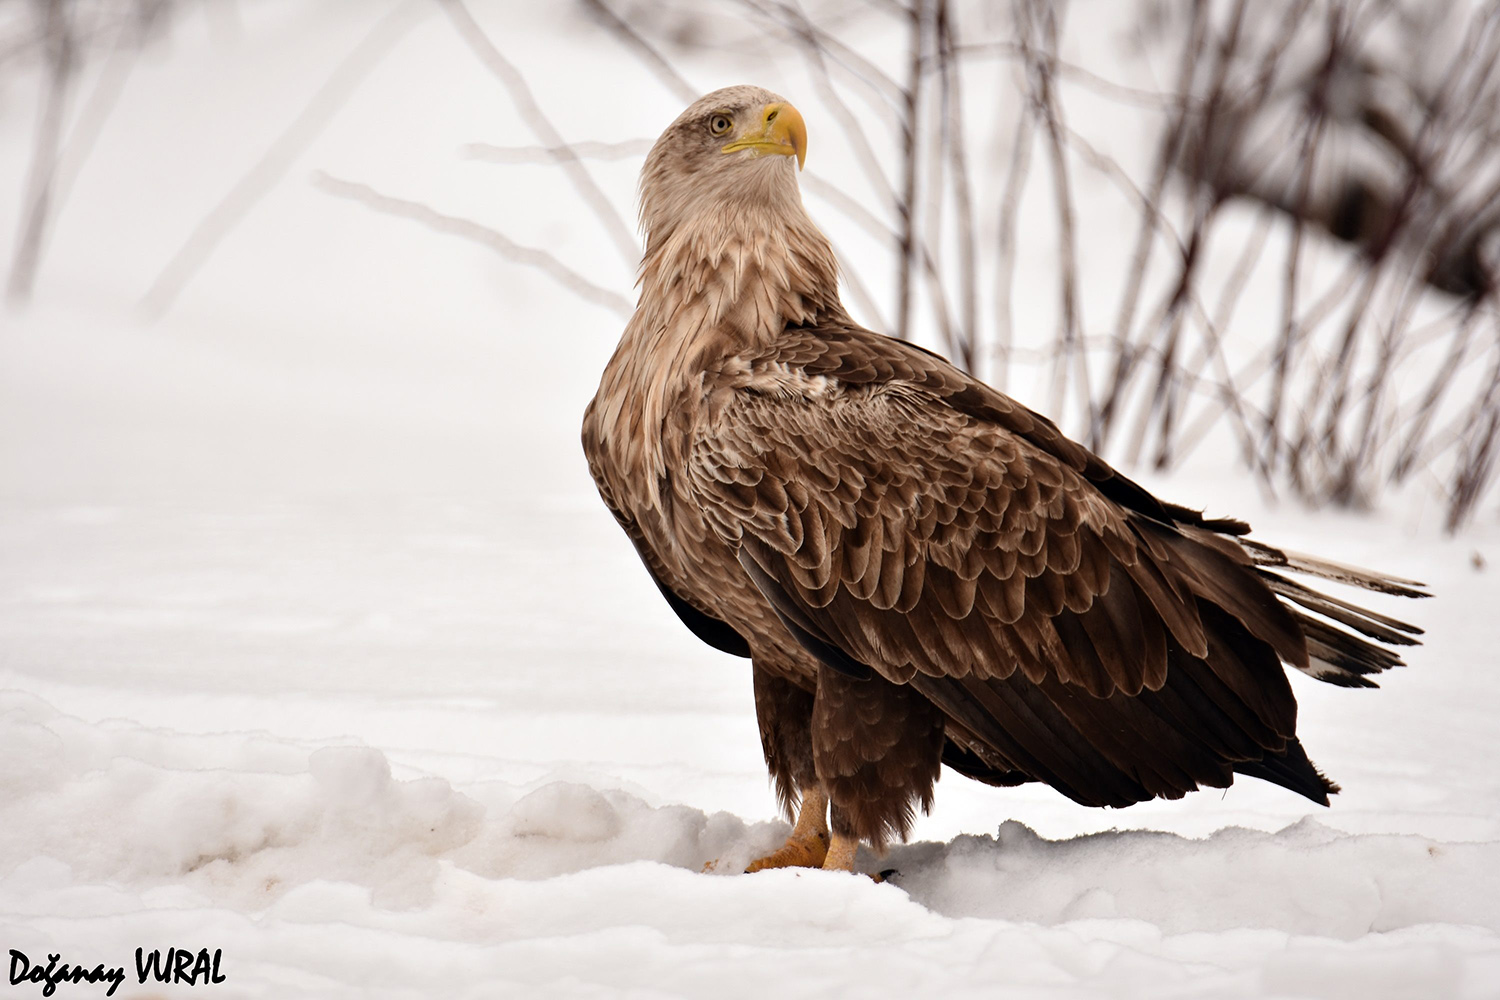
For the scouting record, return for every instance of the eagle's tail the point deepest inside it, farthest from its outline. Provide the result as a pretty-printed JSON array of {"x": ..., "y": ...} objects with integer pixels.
[
  {"x": 1337, "y": 655},
  {"x": 1291, "y": 769}
]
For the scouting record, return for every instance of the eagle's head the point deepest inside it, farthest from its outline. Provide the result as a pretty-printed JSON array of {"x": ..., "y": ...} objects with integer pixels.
[{"x": 730, "y": 154}]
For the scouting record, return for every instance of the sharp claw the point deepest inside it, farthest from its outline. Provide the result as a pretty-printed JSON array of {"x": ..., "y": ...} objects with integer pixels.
[{"x": 795, "y": 853}]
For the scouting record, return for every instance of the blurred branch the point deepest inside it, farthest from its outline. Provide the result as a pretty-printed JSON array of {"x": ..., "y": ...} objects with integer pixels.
[
  {"x": 1005, "y": 264},
  {"x": 826, "y": 45},
  {"x": 57, "y": 32},
  {"x": 866, "y": 220},
  {"x": 851, "y": 207},
  {"x": 531, "y": 112},
  {"x": 1167, "y": 153},
  {"x": 1427, "y": 410},
  {"x": 1479, "y": 451},
  {"x": 1151, "y": 99},
  {"x": 854, "y": 130},
  {"x": 274, "y": 163},
  {"x": 483, "y": 235},
  {"x": 124, "y": 54},
  {"x": 906, "y": 201},
  {"x": 643, "y": 50},
  {"x": 1040, "y": 20},
  {"x": 623, "y": 150},
  {"x": 1312, "y": 134},
  {"x": 958, "y": 162}
]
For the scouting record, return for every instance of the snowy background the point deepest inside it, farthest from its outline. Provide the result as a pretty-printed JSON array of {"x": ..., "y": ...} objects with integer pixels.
[{"x": 317, "y": 646}]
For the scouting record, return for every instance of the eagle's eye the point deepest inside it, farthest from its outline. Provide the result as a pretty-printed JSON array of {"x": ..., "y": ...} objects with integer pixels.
[{"x": 719, "y": 124}]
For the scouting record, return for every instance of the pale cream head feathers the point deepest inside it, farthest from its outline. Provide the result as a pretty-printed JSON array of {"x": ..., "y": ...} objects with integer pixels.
[{"x": 730, "y": 148}]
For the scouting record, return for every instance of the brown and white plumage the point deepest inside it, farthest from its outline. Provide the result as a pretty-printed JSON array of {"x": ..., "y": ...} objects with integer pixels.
[{"x": 921, "y": 569}]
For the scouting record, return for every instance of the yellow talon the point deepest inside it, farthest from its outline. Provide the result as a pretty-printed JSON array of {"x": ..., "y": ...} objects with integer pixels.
[
  {"x": 795, "y": 853},
  {"x": 807, "y": 847}
]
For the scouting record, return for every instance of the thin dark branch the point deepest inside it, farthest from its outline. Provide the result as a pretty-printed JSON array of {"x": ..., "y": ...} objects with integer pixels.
[
  {"x": 958, "y": 163},
  {"x": 1041, "y": 18},
  {"x": 1480, "y": 451},
  {"x": 854, "y": 130},
  {"x": 1124, "y": 93},
  {"x": 1167, "y": 154},
  {"x": 1311, "y": 136},
  {"x": 1005, "y": 264},
  {"x": 906, "y": 202},
  {"x": 1428, "y": 408},
  {"x": 483, "y": 235},
  {"x": 794, "y": 19},
  {"x": 61, "y": 54},
  {"x": 649, "y": 57},
  {"x": 1379, "y": 254},
  {"x": 124, "y": 54},
  {"x": 531, "y": 112}
]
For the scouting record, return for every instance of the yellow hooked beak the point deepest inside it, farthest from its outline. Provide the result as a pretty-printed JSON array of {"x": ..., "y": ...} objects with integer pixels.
[{"x": 781, "y": 131}]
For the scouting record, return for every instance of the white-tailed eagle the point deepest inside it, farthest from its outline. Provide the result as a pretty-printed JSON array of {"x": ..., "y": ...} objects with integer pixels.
[{"x": 921, "y": 570}]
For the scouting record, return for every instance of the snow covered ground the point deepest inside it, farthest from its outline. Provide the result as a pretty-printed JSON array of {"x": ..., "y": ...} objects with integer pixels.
[{"x": 316, "y": 646}]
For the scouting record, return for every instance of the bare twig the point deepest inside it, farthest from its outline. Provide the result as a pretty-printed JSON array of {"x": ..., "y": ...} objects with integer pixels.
[
  {"x": 60, "y": 46},
  {"x": 1167, "y": 154},
  {"x": 275, "y": 162},
  {"x": 1312, "y": 134},
  {"x": 526, "y": 105},
  {"x": 624, "y": 150},
  {"x": 906, "y": 202},
  {"x": 791, "y": 17},
  {"x": 1051, "y": 114},
  {"x": 643, "y": 49},
  {"x": 1005, "y": 264},
  {"x": 958, "y": 163},
  {"x": 483, "y": 235},
  {"x": 1151, "y": 99},
  {"x": 1428, "y": 408},
  {"x": 124, "y": 54},
  {"x": 807, "y": 34},
  {"x": 1379, "y": 250},
  {"x": 1480, "y": 451}
]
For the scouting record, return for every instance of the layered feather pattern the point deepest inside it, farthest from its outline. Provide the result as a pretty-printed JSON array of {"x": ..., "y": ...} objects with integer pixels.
[{"x": 921, "y": 569}]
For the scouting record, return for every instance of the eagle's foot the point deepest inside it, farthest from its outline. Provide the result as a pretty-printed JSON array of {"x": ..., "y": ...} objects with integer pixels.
[
  {"x": 797, "y": 852},
  {"x": 841, "y": 859},
  {"x": 808, "y": 845},
  {"x": 841, "y": 854}
]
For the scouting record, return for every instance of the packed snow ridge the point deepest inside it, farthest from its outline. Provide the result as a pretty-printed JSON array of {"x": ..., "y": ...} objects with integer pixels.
[{"x": 253, "y": 823}]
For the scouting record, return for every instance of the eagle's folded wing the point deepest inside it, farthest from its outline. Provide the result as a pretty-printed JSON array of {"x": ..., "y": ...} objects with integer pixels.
[{"x": 898, "y": 525}]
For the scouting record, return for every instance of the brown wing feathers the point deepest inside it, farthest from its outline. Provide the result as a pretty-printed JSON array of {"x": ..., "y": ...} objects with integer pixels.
[{"x": 905, "y": 519}]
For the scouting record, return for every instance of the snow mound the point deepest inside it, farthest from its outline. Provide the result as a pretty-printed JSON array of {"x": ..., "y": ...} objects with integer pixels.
[
  {"x": 113, "y": 835},
  {"x": 245, "y": 818},
  {"x": 1304, "y": 879},
  {"x": 238, "y": 817}
]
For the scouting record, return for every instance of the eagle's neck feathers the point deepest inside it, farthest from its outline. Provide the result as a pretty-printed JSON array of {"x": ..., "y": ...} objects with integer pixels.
[{"x": 722, "y": 282}]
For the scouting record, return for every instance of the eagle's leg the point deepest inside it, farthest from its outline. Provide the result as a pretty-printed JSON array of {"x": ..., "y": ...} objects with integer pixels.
[
  {"x": 807, "y": 847},
  {"x": 784, "y": 711},
  {"x": 841, "y": 853},
  {"x": 878, "y": 748}
]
